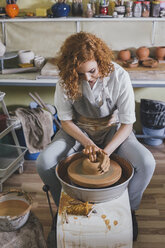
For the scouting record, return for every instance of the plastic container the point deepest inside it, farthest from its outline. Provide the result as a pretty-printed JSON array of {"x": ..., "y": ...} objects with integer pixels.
[
  {"x": 153, "y": 132},
  {"x": 137, "y": 9},
  {"x": 155, "y": 9}
]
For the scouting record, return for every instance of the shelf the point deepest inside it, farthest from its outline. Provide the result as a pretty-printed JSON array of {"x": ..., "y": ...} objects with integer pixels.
[
  {"x": 81, "y": 19},
  {"x": 29, "y": 79}
]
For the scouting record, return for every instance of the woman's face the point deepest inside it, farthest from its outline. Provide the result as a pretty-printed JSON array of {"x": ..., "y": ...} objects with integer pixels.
[{"x": 89, "y": 71}]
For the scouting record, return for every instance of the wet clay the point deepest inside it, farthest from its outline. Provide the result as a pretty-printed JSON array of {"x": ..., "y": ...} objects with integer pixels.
[
  {"x": 81, "y": 177},
  {"x": 13, "y": 208},
  {"x": 100, "y": 166}
]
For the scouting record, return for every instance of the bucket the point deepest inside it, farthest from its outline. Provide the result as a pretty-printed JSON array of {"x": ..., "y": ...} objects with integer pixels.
[
  {"x": 153, "y": 132},
  {"x": 152, "y": 113}
]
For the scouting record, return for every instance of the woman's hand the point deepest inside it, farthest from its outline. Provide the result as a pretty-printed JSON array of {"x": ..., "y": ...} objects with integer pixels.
[
  {"x": 91, "y": 152},
  {"x": 95, "y": 154},
  {"x": 104, "y": 160}
]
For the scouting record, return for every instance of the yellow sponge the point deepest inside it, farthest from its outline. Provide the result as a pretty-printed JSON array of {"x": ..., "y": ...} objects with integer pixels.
[{"x": 41, "y": 12}]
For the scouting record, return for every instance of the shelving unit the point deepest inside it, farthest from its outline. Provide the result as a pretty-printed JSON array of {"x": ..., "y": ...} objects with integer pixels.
[
  {"x": 78, "y": 20},
  {"x": 30, "y": 79},
  {"x": 11, "y": 156}
]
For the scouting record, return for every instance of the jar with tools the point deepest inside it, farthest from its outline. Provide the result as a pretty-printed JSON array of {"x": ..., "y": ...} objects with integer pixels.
[
  {"x": 104, "y": 7},
  {"x": 146, "y": 9},
  {"x": 128, "y": 8},
  {"x": 120, "y": 9},
  {"x": 77, "y": 8}
]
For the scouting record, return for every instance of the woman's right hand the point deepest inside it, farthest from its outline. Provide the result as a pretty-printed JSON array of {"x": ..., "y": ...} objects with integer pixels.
[{"x": 91, "y": 152}]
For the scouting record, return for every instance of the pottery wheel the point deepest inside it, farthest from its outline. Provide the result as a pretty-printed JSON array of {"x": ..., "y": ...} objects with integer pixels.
[{"x": 77, "y": 175}]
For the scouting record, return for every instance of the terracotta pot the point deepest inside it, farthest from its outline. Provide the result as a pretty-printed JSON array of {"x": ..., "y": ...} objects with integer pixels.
[
  {"x": 124, "y": 55},
  {"x": 12, "y": 10},
  {"x": 160, "y": 53},
  {"x": 142, "y": 53}
]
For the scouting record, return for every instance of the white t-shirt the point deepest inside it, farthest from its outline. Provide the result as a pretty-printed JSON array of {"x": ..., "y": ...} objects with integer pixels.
[{"x": 111, "y": 93}]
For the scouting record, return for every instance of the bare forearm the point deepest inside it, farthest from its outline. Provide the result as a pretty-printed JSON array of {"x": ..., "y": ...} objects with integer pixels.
[
  {"x": 123, "y": 132},
  {"x": 74, "y": 131}
]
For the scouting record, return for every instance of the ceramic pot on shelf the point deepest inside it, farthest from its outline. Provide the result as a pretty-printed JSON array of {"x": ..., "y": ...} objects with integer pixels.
[
  {"x": 104, "y": 9},
  {"x": 12, "y": 10},
  {"x": 124, "y": 55},
  {"x": 142, "y": 53},
  {"x": 77, "y": 9},
  {"x": 160, "y": 53},
  {"x": 60, "y": 9}
]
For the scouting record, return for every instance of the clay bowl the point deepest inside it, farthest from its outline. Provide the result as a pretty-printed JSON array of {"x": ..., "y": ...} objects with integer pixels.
[
  {"x": 15, "y": 208},
  {"x": 151, "y": 63},
  {"x": 142, "y": 53},
  {"x": 94, "y": 195},
  {"x": 130, "y": 63},
  {"x": 124, "y": 55},
  {"x": 160, "y": 53}
]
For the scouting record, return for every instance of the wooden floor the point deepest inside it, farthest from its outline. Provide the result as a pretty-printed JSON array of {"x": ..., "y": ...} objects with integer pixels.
[{"x": 150, "y": 216}]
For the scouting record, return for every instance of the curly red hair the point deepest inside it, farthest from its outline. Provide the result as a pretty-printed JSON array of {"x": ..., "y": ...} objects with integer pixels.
[{"x": 77, "y": 49}]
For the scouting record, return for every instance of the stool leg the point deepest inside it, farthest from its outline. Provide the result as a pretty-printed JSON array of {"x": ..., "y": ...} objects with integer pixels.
[
  {"x": 51, "y": 240},
  {"x": 45, "y": 188}
]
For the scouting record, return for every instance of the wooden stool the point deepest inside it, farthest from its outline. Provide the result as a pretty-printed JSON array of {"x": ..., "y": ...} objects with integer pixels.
[
  {"x": 109, "y": 227},
  {"x": 30, "y": 235}
]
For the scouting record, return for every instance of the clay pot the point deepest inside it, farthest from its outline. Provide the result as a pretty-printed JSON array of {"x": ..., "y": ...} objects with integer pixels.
[
  {"x": 142, "y": 53},
  {"x": 12, "y": 10},
  {"x": 124, "y": 55},
  {"x": 160, "y": 53}
]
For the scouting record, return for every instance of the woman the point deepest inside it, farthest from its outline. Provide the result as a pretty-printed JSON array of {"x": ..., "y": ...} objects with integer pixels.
[{"x": 95, "y": 104}]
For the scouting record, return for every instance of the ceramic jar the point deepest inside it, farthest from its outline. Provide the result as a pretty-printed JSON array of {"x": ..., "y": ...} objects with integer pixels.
[
  {"x": 160, "y": 53},
  {"x": 89, "y": 12},
  {"x": 77, "y": 9},
  {"x": 104, "y": 9},
  {"x": 12, "y": 10},
  {"x": 124, "y": 55},
  {"x": 142, "y": 53},
  {"x": 26, "y": 56},
  {"x": 60, "y": 9}
]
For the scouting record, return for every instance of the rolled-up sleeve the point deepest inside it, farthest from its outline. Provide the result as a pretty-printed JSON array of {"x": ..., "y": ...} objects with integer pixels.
[
  {"x": 62, "y": 104},
  {"x": 126, "y": 100}
]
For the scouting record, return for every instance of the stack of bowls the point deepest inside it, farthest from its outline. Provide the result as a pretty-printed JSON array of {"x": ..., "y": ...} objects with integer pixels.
[{"x": 152, "y": 113}]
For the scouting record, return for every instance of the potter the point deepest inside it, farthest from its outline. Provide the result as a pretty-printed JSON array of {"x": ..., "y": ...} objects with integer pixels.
[{"x": 95, "y": 104}]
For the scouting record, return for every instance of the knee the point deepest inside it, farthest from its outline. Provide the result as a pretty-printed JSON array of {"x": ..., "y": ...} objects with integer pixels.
[
  {"x": 148, "y": 164},
  {"x": 44, "y": 161}
]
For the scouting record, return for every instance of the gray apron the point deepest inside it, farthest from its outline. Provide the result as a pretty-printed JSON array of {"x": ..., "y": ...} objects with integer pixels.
[{"x": 97, "y": 128}]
